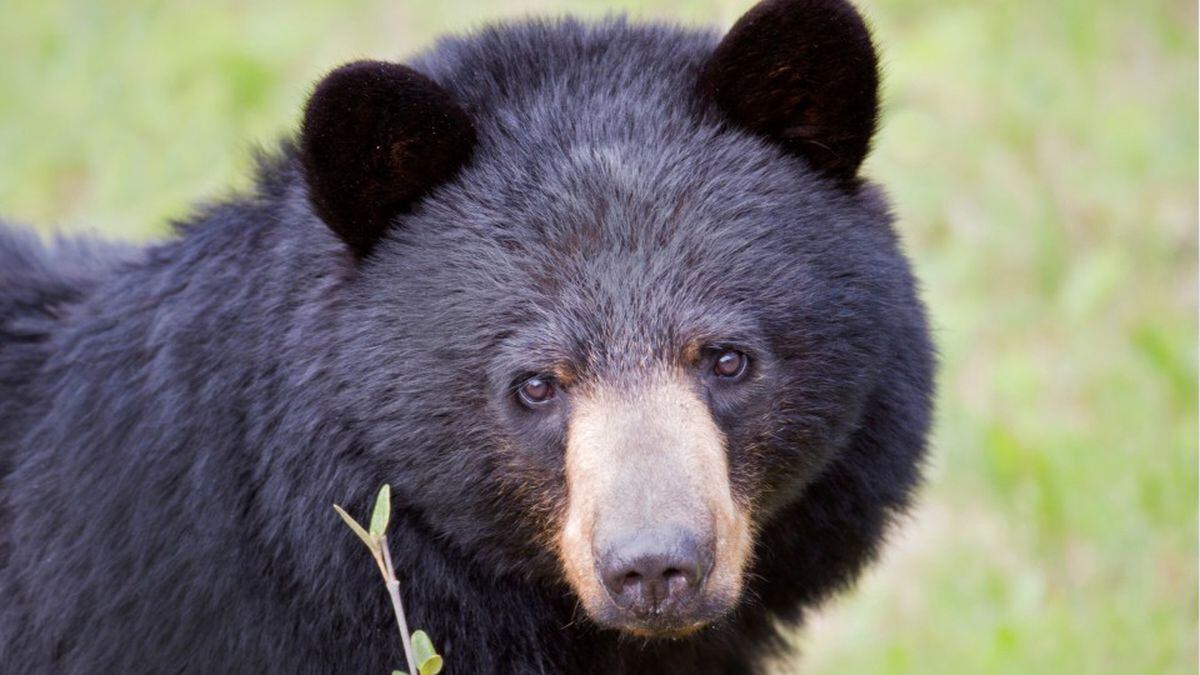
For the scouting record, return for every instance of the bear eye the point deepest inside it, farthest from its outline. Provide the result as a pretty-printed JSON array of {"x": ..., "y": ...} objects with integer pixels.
[
  {"x": 730, "y": 364},
  {"x": 536, "y": 391}
]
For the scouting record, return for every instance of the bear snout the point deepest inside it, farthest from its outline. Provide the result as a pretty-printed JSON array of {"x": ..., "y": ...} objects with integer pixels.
[{"x": 653, "y": 542}]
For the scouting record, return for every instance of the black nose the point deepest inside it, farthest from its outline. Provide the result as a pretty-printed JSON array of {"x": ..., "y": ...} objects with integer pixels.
[{"x": 655, "y": 571}]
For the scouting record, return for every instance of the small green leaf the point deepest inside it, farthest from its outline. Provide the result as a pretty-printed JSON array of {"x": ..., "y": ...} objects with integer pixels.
[
  {"x": 428, "y": 661},
  {"x": 431, "y": 665},
  {"x": 399, "y": 672},
  {"x": 383, "y": 511},
  {"x": 422, "y": 646},
  {"x": 362, "y": 534}
]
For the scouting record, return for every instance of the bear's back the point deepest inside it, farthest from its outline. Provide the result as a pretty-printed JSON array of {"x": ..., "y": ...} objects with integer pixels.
[{"x": 39, "y": 284}]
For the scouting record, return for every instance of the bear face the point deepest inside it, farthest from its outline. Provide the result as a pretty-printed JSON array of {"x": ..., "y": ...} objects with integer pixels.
[{"x": 637, "y": 297}]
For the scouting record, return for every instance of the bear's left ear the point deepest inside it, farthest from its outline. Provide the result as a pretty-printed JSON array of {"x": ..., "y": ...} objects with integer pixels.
[
  {"x": 802, "y": 73},
  {"x": 376, "y": 138}
]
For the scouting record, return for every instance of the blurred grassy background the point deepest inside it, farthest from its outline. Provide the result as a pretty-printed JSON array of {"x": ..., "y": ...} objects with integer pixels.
[{"x": 1043, "y": 161}]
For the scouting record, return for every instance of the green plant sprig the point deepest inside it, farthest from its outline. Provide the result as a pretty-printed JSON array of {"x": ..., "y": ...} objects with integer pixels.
[{"x": 422, "y": 658}]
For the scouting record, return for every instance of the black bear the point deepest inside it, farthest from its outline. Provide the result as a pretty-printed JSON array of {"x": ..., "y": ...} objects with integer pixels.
[{"x": 609, "y": 306}]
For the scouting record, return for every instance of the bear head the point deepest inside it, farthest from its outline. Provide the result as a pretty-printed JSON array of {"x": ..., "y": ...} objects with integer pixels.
[{"x": 621, "y": 293}]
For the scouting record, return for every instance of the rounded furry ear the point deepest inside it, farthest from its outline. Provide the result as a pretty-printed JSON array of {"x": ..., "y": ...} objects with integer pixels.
[
  {"x": 376, "y": 138},
  {"x": 802, "y": 73}
]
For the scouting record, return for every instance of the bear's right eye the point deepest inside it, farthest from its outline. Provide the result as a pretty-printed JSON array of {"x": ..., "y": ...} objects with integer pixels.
[{"x": 536, "y": 391}]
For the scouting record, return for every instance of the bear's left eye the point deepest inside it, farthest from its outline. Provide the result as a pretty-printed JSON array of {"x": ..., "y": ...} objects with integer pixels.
[
  {"x": 730, "y": 364},
  {"x": 536, "y": 391}
]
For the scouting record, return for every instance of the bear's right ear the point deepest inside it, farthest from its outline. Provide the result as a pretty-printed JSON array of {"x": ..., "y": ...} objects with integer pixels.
[
  {"x": 376, "y": 138},
  {"x": 803, "y": 74}
]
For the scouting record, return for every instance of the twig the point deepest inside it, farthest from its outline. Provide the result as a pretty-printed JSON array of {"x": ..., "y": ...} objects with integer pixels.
[{"x": 393, "y": 586}]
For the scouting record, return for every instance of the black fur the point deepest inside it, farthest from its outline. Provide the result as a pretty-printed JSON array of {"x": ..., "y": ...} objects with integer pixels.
[
  {"x": 376, "y": 138},
  {"x": 178, "y": 421},
  {"x": 804, "y": 73}
]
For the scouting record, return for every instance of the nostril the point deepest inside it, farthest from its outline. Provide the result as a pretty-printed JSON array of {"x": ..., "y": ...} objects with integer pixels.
[
  {"x": 678, "y": 583},
  {"x": 622, "y": 581},
  {"x": 673, "y": 575},
  {"x": 630, "y": 580}
]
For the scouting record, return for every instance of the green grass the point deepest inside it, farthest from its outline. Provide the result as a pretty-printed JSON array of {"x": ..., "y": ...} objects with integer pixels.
[{"x": 1042, "y": 157}]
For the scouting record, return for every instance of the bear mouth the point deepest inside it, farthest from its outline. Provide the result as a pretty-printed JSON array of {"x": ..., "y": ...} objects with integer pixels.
[{"x": 667, "y": 623}]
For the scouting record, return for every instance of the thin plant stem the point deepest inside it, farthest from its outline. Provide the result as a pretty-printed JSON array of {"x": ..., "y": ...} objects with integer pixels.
[{"x": 393, "y": 586}]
